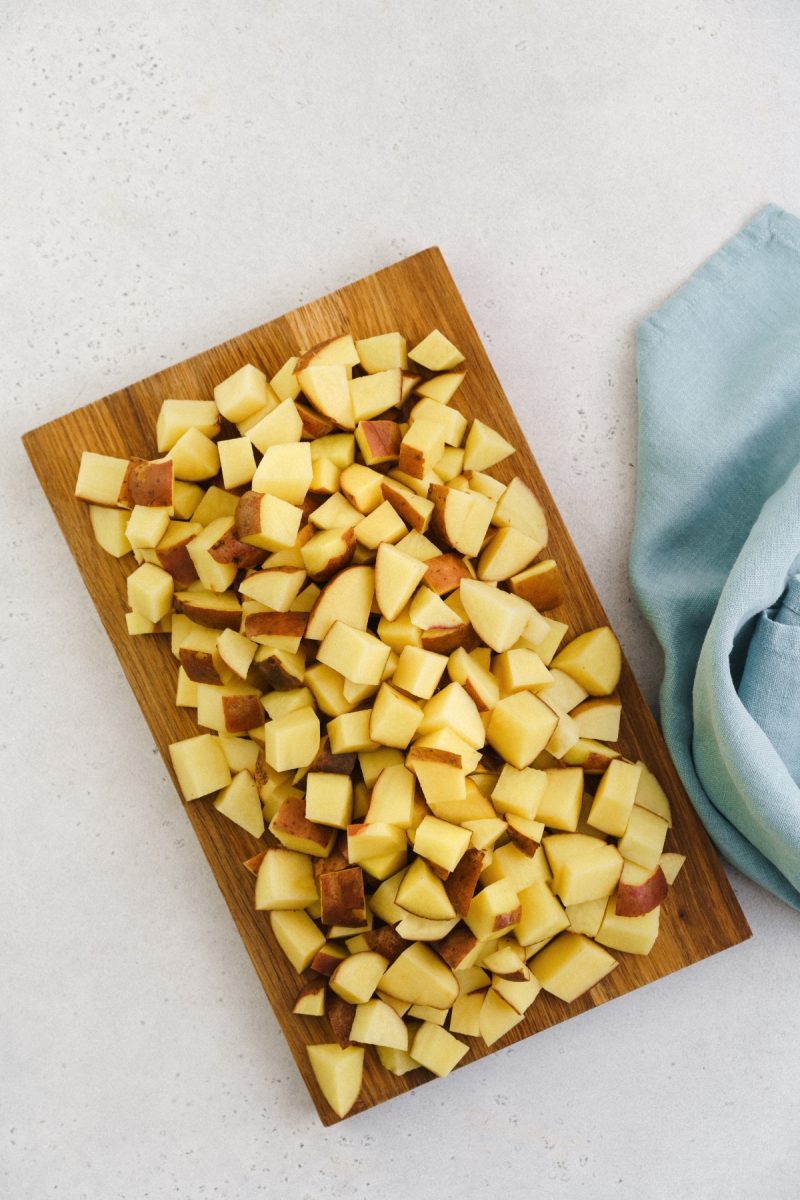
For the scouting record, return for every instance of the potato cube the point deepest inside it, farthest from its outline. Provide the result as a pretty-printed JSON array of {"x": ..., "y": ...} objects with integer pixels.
[
  {"x": 237, "y": 461},
  {"x": 436, "y": 1049},
  {"x": 520, "y": 727},
  {"x": 150, "y": 591},
  {"x": 329, "y": 799},
  {"x": 350, "y": 733},
  {"x": 194, "y": 456},
  {"x": 631, "y": 935},
  {"x": 519, "y": 791},
  {"x": 419, "y": 671},
  {"x": 362, "y": 486},
  {"x": 373, "y": 840},
  {"x": 593, "y": 659},
  {"x": 570, "y": 965},
  {"x": 342, "y": 897},
  {"x": 560, "y": 806},
  {"x": 395, "y": 718},
  {"x": 146, "y": 526},
  {"x": 285, "y": 471},
  {"x": 101, "y": 478},
  {"x": 643, "y": 839},
  {"x": 178, "y": 416},
  {"x": 494, "y": 911},
  {"x": 440, "y": 842},
  {"x": 382, "y": 352},
  {"x": 614, "y": 798},
  {"x": 291, "y": 741},
  {"x": 285, "y": 880},
  {"x": 436, "y": 352},
  {"x": 200, "y": 765},
  {"x": 242, "y": 394},
  {"x": 108, "y": 526},
  {"x": 284, "y": 384},
  {"x": 496, "y": 1017},
  {"x": 267, "y": 521},
  {"x": 420, "y": 976},
  {"x": 240, "y": 802},
  {"x": 542, "y": 915},
  {"x": 357, "y": 655},
  {"x": 356, "y": 977},
  {"x": 298, "y": 937}
]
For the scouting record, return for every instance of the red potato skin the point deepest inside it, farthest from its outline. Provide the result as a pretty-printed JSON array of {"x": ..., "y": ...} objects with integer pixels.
[
  {"x": 463, "y": 879},
  {"x": 342, "y": 897},
  {"x": 242, "y": 713},
  {"x": 247, "y": 518},
  {"x": 386, "y": 941},
  {"x": 288, "y": 624},
  {"x": 228, "y": 549},
  {"x": 337, "y": 860},
  {"x": 332, "y": 764},
  {"x": 314, "y": 424},
  {"x": 307, "y": 359},
  {"x": 340, "y": 1014},
  {"x": 526, "y": 844},
  {"x": 544, "y": 590},
  {"x": 455, "y": 947},
  {"x": 634, "y": 900},
  {"x": 411, "y": 461},
  {"x": 212, "y": 618},
  {"x": 291, "y": 819},
  {"x": 440, "y": 872},
  {"x": 252, "y": 864},
  {"x": 432, "y": 754},
  {"x": 403, "y": 507},
  {"x": 274, "y": 675},
  {"x": 325, "y": 961},
  {"x": 444, "y": 573},
  {"x": 175, "y": 560},
  {"x": 503, "y": 920},
  {"x": 439, "y": 493},
  {"x": 348, "y": 540},
  {"x": 446, "y": 638},
  {"x": 199, "y": 666},
  {"x": 310, "y": 989},
  {"x": 148, "y": 484},
  {"x": 381, "y": 439}
]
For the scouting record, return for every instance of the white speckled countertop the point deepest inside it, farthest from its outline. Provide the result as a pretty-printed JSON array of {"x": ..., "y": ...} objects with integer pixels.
[{"x": 171, "y": 178}]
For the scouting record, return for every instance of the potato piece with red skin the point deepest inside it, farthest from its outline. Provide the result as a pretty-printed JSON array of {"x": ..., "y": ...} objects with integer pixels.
[
  {"x": 640, "y": 890},
  {"x": 275, "y": 624},
  {"x": 342, "y": 897},
  {"x": 148, "y": 484},
  {"x": 340, "y": 1014},
  {"x": 379, "y": 441},
  {"x": 214, "y": 610},
  {"x": 242, "y": 713},
  {"x": 460, "y": 884},
  {"x": 456, "y": 947},
  {"x": 327, "y": 958},
  {"x": 292, "y": 828},
  {"x": 386, "y": 941},
  {"x": 228, "y": 549},
  {"x": 445, "y": 573}
]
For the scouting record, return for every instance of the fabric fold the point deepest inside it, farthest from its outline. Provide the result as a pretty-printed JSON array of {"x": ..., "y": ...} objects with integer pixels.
[{"x": 717, "y": 536}]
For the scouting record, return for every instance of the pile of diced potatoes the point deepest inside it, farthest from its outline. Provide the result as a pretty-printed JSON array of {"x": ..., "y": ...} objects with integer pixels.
[{"x": 362, "y": 616}]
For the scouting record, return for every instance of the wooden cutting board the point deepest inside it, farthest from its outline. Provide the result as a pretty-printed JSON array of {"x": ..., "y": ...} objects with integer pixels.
[{"x": 701, "y": 915}]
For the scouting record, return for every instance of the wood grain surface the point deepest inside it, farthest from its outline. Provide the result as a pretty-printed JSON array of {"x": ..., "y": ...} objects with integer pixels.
[{"x": 701, "y": 915}]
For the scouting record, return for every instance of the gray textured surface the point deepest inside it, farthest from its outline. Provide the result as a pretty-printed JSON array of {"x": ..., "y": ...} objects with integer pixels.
[{"x": 172, "y": 178}]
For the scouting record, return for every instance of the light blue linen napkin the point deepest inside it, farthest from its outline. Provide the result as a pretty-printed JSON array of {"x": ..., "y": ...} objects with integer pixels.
[{"x": 716, "y": 546}]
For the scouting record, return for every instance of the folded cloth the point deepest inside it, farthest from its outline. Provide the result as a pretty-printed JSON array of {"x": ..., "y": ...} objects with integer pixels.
[{"x": 716, "y": 544}]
